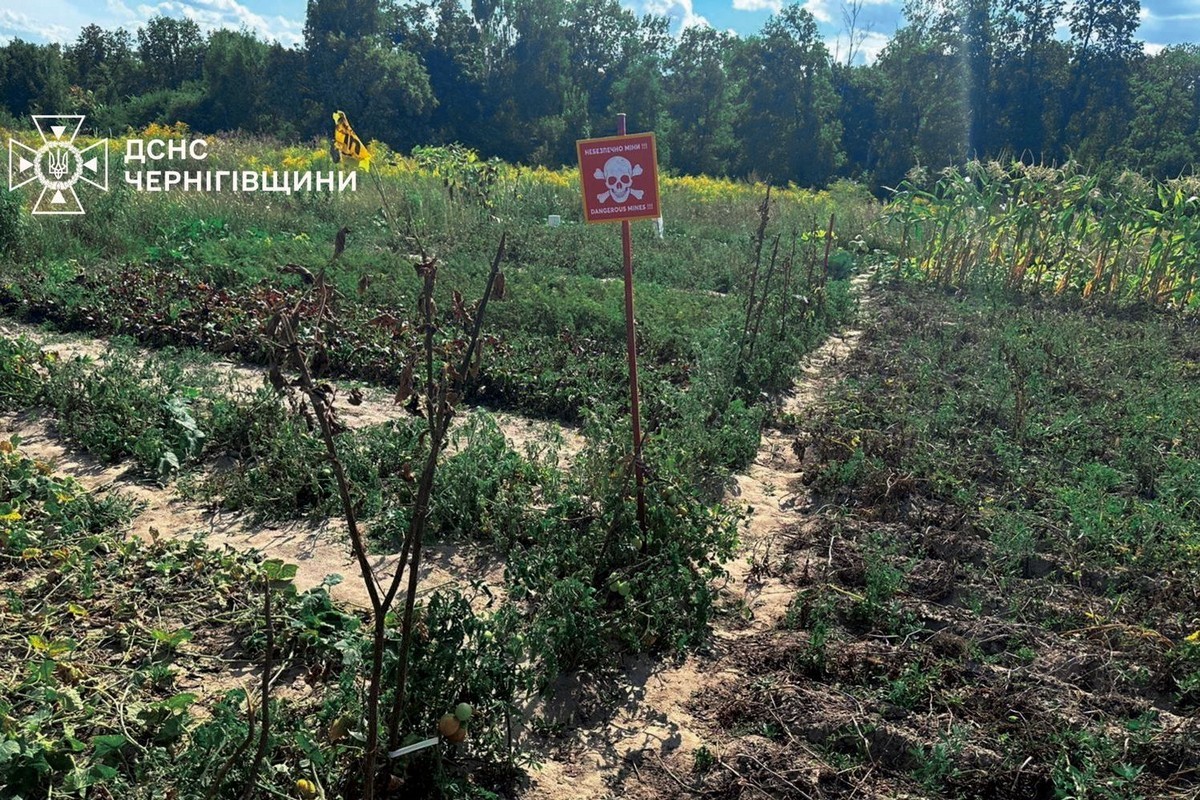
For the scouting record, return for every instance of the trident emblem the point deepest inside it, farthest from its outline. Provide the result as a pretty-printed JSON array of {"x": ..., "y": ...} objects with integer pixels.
[{"x": 56, "y": 163}]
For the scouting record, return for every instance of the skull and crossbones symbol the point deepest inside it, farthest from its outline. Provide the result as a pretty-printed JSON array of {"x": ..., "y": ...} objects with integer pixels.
[{"x": 618, "y": 175}]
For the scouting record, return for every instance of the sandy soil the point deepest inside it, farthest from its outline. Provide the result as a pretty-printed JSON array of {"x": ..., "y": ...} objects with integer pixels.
[
  {"x": 609, "y": 729},
  {"x": 318, "y": 548},
  {"x": 606, "y": 729},
  {"x": 376, "y": 407}
]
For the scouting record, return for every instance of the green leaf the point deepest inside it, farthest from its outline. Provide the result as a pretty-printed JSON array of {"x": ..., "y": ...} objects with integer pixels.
[
  {"x": 101, "y": 772},
  {"x": 180, "y": 702},
  {"x": 8, "y": 750},
  {"x": 54, "y": 648},
  {"x": 71, "y": 701},
  {"x": 276, "y": 570},
  {"x": 171, "y": 639},
  {"x": 108, "y": 745},
  {"x": 168, "y": 464}
]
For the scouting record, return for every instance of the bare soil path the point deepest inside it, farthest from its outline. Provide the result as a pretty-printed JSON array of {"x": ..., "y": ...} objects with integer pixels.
[
  {"x": 318, "y": 548},
  {"x": 601, "y": 732}
]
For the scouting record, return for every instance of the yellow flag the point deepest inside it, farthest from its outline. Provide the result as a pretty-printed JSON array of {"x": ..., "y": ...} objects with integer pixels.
[{"x": 347, "y": 142}]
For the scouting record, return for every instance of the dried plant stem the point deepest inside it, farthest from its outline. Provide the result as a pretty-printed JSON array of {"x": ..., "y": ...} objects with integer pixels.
[{"x": 264, "y": 732}]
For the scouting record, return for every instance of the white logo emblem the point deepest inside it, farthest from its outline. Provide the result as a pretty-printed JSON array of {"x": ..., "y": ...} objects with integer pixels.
[
  {"x": 58, "y": 164},
  {"x": 618, "y": 175}
]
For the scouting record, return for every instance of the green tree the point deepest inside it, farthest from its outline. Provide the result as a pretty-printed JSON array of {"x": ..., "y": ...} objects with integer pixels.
[
  {"x": 171, "y": 51},
  {"x": 923, "y": 107},
  {"x": 530, "y": 91},
  {"x": 234, "y": 77},
  {"x": 700, "y": 93},
  {"x": 1164, "y": 135},
  {"x": 33, "y": 78},
  {"x": 787, "y": 126},
  {"x": 637, "y": 89},
  {"x": 284, "y": 90},
  {"x": 860, "y": 92},
  {"x": 103, "y": 63},
  {"x": 328, "y": 20},
  {"x": 1103, "y": 55},
  {"x": 449, "y": 42},
  {"x": 385, "y": 90},
  {"x": 332, "y": 28},
  {"x": 975, "y": 21},
  {"x": 1029, "y": 75},
  {"x": 603, "y": 36}
]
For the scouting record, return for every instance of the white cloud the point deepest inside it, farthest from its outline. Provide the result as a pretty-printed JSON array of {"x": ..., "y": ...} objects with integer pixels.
[
  {"x": 758, "y": 5},
  {"x": 679, "y": 12},
  {"x": 868, "y": 50},
  {"x": 1152, "y": 48},
  {"x": 15, "y": 25},
  {"x": 824, "y": 11},
  {"x": 211, "y": 15},
  {"x": 820, "y": 9},
  {"x": 873, "y": 45},
  {"x": 118, "y": 8}
]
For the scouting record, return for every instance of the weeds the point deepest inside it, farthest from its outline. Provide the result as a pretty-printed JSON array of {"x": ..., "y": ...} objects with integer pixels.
[
  {"x": 583, "y": 586},
  {"x": 997, "y": 600}
]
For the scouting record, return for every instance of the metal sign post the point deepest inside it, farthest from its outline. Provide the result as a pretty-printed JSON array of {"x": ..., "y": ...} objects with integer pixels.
[{"x": 619, "y": 175}]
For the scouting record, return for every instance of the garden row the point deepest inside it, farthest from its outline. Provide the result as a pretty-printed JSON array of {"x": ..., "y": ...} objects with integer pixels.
[
  {"x": 727, "y": 305},
  {"x": 999, "y": 598},
  {"x": 582, "y": 585}
]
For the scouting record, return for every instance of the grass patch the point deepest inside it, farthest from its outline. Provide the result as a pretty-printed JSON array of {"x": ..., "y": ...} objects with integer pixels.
[{"x": 999, "y": 599}]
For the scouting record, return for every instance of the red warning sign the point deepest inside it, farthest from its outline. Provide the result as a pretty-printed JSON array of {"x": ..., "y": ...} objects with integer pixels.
[{"x": 620, "y": 177}]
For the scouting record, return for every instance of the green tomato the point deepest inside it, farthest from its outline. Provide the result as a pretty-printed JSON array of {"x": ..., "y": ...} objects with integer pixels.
[{"x": 463, "y": 712}]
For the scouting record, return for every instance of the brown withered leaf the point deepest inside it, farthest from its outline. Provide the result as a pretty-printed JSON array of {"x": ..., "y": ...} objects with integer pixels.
[
  {"x": 405, "y": 390},
  {"x": 302, "y": 272},
  {"x": 339, "y": 242},
  {"x": 278, "y": 382},
  {"x": 476, "y": 364},
  {"x": 319, "y": 362},
  {"x": 428, "y": 307},
  {"x": 426, "y": 266},
  {"x": 272, "y": 324}
]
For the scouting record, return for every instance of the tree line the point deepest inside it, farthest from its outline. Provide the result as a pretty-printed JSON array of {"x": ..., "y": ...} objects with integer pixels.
[{"x": 522, "y": 79}]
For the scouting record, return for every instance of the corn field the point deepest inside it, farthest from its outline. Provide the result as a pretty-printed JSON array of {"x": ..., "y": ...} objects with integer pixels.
[{"x": 1037, "y": 229}]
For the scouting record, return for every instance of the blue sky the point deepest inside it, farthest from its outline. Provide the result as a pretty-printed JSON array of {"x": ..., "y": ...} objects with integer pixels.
[{"x": 1164, "y": 22}]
